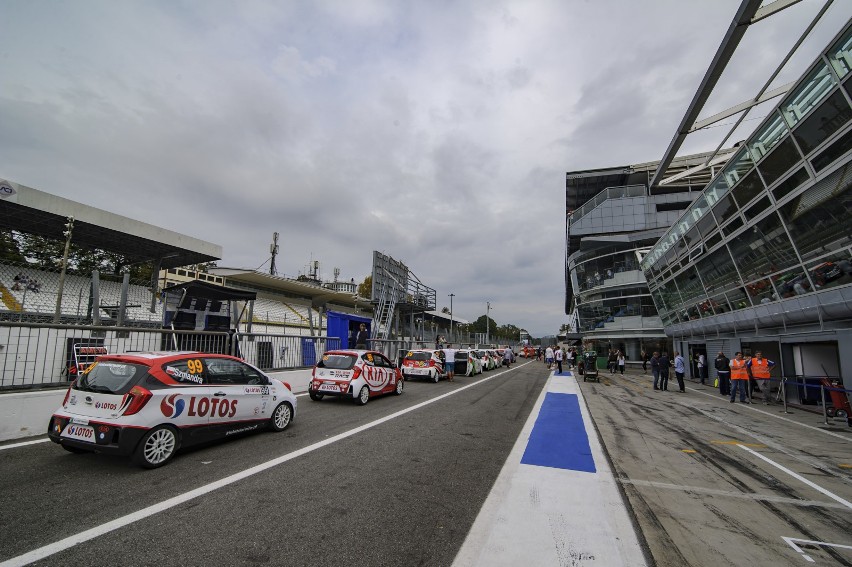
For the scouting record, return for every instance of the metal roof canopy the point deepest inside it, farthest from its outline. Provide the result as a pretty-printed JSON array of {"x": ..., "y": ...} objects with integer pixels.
[
  {"x": 28, "y": 210},
  {"x": 744, "y": 17}
]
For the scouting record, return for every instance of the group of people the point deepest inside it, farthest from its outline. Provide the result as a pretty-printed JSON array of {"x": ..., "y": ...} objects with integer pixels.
[
  {"x": 740, "y": 375},
  {"x": 744, "y": 376},
  {"x": 616, "y": 361},
  {"x": 556, "y": 355},
  {"x": 661, "y": 364},
  {"x": 23, "y": 281}
]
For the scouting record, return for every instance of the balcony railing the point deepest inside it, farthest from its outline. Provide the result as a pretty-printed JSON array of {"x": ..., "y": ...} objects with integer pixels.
[{"x": 608, "y": 193}]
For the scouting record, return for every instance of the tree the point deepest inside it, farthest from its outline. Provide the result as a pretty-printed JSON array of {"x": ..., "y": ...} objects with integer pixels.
[
  {"x": 484, "y": 324},
  {"x": 365, "y": 288},
  {"x": 10, "y": 248}
]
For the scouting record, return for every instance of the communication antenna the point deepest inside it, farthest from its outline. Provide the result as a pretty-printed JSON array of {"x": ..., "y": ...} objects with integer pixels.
[
  {"x": 273, "y": 249},
  {"x": 336, "y": 274}
]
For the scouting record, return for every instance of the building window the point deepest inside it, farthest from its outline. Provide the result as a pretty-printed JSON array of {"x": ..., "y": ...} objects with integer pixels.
[
  {"x": 767, "y": 137},
  {"x": 725, "y": 209},
  {"x": 819, "y": 218},
  {"x": 763, "y": 249},
  {"x": 749, "y": 188},
  {"x": 791, "y": 184},
  {"x": 808, "y": 94},
  {"x": 830, "y": 154},
  {"x": 840, "y": 55},
  {"x": 779, "y": 162},
  {"x": 829, "y": 118},
  {"x": 757, "y": 209}
]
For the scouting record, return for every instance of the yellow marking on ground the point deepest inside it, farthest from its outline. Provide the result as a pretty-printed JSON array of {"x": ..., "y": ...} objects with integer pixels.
[
  {"x": 688, "y": 451},
  {"x": 845, "y": 466},
  {"x": 755, "y": 445}
]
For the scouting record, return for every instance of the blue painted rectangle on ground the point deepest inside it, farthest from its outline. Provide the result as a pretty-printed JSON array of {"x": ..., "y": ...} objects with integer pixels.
[{"x": 559, "y": 439}]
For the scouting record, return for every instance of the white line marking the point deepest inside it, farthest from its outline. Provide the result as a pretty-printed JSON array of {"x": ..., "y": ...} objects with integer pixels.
[
  {"x": 23, "y": 443},
  {"x": 123, "y": 521},
  {"x": 768, "y": 414},
  {"x": 731, "y": 494},
  {"x": 790, "y": 541},
  {"x": 798, "y": 477}
]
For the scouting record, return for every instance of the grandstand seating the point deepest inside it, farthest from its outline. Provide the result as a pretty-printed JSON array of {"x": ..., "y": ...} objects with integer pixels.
[{"x": 75, "y": 296}]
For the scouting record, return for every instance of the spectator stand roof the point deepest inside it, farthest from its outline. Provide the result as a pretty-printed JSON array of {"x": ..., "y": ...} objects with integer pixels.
[{"x": 31, "y": 211}]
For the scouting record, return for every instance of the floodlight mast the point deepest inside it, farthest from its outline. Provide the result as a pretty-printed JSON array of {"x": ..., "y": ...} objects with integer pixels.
[
  {"x": 69, "y": 229},
  {"x": 451, "y": 296},
  {"x": 488, "y": 322}
]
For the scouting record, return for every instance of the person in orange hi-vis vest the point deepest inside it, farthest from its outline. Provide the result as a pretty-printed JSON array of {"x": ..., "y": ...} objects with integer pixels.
[
  {"x": 739, "y": 377},
  {"x": 759, "y": 367}
]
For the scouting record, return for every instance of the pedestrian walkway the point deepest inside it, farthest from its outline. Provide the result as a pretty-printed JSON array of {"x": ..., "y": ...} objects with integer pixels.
[{"x": 556, "y": 501}]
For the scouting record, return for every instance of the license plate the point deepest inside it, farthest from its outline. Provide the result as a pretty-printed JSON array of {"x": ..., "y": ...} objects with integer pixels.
[
  {"x": 419, "y": 371},
  {"x": 79, "y": 432},
  {"x": 329, "y": 388}
]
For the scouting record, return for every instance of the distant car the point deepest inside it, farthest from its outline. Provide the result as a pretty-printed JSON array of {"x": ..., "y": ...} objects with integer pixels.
[
  {"x": 355, "y": 374},
  {"x": 486, "y": 359},
  {"x": 424, "y": 363},
  {"x": 149, "y": 405},
  {"x": 467, "y": 363}
]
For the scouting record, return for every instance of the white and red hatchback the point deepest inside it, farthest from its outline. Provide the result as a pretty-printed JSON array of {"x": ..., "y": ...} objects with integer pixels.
[
  {"x": 424, "y": 363},
  {"x": 149, "y": 405},
  {"x": 355, "y": 374}
]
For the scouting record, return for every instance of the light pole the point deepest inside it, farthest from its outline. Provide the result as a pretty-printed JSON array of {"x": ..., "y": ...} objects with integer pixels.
[
  {"x": 69, "y": 228},
  {"x": 451, "y": 296},
  {"x": 487, "y": 322}
]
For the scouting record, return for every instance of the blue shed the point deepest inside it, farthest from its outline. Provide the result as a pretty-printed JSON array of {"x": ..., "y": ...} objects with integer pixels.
[{"x": 344, "y": 326}]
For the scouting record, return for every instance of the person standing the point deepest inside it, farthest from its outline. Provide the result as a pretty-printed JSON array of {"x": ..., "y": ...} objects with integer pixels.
[
  {"x": 362, "y": 336},
  {"x": 759, "y": 369},
  {"x": 680, "y": 370},
  {"x": 548, "y": 357},
  {"x": 450, "y": 362},
  {"x": 665, "y": 364},
  {"x": 645, "y": 359},
  {"x": 739, "y": 378},
  {"x": 570, "y": 356},
  {"x": 655, "y": 368},
  {"x": 613, "y": 360},
  {"x": 702, "y": 368},
  {"x": 508, "y": 356},
  {"x": 621, "y": 361},
  {"x": 558, "y": 357},
  {"x": 723, "y": 373}
]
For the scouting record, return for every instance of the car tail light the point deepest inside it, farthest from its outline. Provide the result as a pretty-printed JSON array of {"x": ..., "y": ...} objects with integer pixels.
[
  {"x": 431, "y": 363},
  {"x": 287, "y": 385},
  {"x": 356, "y": 372},
  {"x": 138, "y": 397}
]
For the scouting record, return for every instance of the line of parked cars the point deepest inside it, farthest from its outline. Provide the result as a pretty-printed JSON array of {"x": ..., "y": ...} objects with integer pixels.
[{"x": 150, "y": 405}]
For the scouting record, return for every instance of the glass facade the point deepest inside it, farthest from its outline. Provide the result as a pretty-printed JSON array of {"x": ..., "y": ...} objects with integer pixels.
[{"x": 775, "y": 222}]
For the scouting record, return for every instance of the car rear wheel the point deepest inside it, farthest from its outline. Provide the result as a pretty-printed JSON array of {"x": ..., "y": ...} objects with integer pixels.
[
  {"x": 314, "y": 396},
  {"x": 363, "y": 396},
  {"x": 399, "y": 387},
  {"x": 281, "y": 417},
  {"x": 156, "y": 448}
]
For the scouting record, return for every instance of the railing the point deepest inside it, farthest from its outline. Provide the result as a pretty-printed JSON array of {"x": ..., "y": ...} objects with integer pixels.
[
  {"x": 608, "y": 193},
  {"x": 823, "y": 389},
  {"x": 42, "y": 355}
]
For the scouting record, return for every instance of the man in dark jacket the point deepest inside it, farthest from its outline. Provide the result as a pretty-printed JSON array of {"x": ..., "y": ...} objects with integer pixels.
[
  {"x": 723, "y": 371},
  {"x": 665, "y": 364},
  {"x": 655, "y": 368}
]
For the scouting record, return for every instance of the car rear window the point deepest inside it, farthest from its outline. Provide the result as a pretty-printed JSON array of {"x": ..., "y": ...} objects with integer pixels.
[
  {"x": 419, "y": 356},
  {"x": 461, "y": 355},
  {"x": 111, "y": 377},
  {"x": 337, "y": 361}
]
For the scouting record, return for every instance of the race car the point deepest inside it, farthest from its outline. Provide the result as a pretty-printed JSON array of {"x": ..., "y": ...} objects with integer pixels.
[
  {"x": 487, "y": 359},
  {"x": 355, "y": 374},
  {"x": 424, "y": 363},
  {"x": 467, "y": 363},
  {"x": 149, "y": 405}
]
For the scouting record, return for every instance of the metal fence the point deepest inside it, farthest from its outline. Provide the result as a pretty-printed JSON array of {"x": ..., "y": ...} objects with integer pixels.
[{"x": 37, "y": 355}]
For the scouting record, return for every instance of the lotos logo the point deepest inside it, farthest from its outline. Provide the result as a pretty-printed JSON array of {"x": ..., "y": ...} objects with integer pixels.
[
  {"x": 172, "y": 408},
  {"x": 106, "y": 405}
]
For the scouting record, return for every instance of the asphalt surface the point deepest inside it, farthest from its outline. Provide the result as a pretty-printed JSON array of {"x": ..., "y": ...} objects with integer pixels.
[
  {"x": 404, "y": 491},
  {"x": 715, "y": 483},
  {"x": 401, "y": 480}
]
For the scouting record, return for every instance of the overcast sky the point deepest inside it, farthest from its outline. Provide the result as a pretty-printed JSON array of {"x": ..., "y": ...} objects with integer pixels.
[{"x": 436, "y": 132}]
